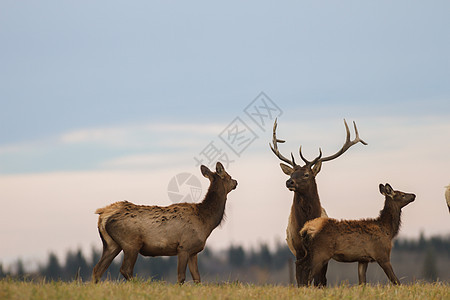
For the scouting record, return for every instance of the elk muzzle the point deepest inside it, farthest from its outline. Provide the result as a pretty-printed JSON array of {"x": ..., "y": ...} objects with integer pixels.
[
  {"x": 235, "y": 183},
  {"x": 290, "y": 184}
]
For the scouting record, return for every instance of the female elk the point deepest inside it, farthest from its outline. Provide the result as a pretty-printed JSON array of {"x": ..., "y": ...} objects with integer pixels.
[
  {"x": 306, "y": 205},
  {"x": 179, "y": 229},
  {"x": 363, "y": 241}
]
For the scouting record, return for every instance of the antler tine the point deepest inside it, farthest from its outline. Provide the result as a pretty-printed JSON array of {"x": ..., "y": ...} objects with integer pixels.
[
  {"x": 302, "y": 157},
  {"x": 307, "y": 162},
  {"x": 275, "y": 150},
  {"x": 357, "y": 135},
  {"x": 347, "y": 131},
  {"x": 317, "y": 158},
  {"x": 348, "y": 143}
]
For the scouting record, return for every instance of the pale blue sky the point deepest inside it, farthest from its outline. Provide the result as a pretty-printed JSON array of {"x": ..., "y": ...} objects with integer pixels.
[
  {"x": 143, "y": 86},
  {"x": 68, "y": 65}
]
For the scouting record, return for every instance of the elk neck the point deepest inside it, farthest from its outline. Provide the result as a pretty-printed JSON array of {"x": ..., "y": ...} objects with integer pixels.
[
  {"x": 390, "y": 218},
  {"x": 212, "y": 208},
  {"x": 306, "y": 205}
]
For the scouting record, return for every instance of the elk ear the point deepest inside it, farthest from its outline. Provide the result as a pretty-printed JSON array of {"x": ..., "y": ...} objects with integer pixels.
[
  {"x": 286, "y": 169},
  {"x": 316, "y": 168},
  {"x": 389, "y": 190},
  {"x": 206, "y": 172},
  {"x": 220, "y": 170},
  {"x": 382, "y": 189},
  {"x": 386, "y": 190}
]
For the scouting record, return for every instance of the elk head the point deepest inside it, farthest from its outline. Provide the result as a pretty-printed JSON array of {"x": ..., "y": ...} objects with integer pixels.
[
  {"x": 302, "y": 178},
  {"x": 220, "y": 177},
  {"x": 397, "y": 198}
]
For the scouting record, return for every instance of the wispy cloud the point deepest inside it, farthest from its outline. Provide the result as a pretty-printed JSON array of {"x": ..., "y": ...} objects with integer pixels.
[
  {"x": 149, "y": 145},
  {"x": 97, "y": 135},
  {"x": 144, "y": 161},
  {"x": 107, "y": 147},
  {"x": 127, "y": 133}
]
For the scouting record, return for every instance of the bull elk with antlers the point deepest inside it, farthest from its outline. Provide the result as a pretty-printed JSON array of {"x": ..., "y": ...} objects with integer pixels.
[
  {"x": 306, "y": 204},
  {"x": 179, "y": 229}
]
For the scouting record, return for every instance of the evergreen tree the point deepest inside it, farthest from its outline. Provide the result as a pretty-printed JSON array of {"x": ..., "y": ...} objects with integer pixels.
[
  {"x": 281, "y": 256},
  {"x": 265, "y": 257},
  {"x": 2, "y": 273},
  {"x": 53, "y": 270},
  {"x": 76, "y": 265},
  {"x": 96, "y": 254},
  {"x": 236, "y": 256},
  {"x": 422, "y": 242},
  {"x": 83, "y": 269},
  {"x": 20, "y": 270},
  {"x": 429, "y": 265}
]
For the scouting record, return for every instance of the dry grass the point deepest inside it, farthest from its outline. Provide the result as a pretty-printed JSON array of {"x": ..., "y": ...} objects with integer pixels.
[{"x": 137, "y": 289}]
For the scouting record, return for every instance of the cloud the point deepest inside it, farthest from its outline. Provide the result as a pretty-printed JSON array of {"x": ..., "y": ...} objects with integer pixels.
[
  {"x": 97, "y": 135},
  {"x": 144, "y": 161},
  {"x": 108, "y": 147},
  {"x": 120, "y": 135},
  {"x": 161, "y": 144}
]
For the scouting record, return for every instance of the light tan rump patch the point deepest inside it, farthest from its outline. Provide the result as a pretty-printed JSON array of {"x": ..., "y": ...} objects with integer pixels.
[{"x": 312, "y": 227}]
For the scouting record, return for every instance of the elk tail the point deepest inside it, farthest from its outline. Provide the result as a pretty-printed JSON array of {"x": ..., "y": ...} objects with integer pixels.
[
  {"x": 305, "y": 241},
  {"x": 304, "y": 251},
  {"x": 105, "y": 214}
]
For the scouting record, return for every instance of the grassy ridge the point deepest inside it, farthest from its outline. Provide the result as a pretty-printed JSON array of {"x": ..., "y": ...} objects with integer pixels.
[{"x": 11, "y": 289}]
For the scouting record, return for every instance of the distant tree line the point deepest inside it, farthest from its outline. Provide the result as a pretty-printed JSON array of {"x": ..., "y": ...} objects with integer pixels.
[
  {"x": 233, "y": 263},
  {"x": 437, "y": 243}
]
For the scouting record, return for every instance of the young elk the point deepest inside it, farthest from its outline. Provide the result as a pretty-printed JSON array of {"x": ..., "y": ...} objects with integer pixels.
[
  {"x": 179, "y": 229},
  {"x": 306, "y": 204},
  {"x": 363, "y": 241}
]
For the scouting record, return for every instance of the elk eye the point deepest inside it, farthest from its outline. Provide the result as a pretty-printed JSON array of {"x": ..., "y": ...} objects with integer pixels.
[{"x": 306, "y": 175}]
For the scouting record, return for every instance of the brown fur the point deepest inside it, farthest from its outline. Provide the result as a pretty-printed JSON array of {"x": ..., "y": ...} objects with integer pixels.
[
  {"x": 179, "y": 229},
  {"x": 363, "y": 241},
  {"x": 306, "y": 205}
]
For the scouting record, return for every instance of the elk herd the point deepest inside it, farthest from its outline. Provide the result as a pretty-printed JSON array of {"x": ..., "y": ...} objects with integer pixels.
[{"x": 182, "y": 229}]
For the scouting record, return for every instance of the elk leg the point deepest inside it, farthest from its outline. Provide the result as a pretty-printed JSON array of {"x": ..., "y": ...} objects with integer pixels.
[
  {"x": 109, "y": 253},
  {"x": 362, "y": 270},
  {"x": 302, "y": 271},
  {"x": 387, "y": 268},
  {"x": 299, "y": 273},
  {"x": 318, "y": 265},
  {"x": 182, "y": 264},
  {"x": 193, "y": 268},
  {"x": 320, "y": 280},
  {"x": 129, "y": 259}
]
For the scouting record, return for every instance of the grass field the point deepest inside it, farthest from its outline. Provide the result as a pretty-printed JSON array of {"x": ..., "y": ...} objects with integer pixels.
[{"x": 12, "y": 289}]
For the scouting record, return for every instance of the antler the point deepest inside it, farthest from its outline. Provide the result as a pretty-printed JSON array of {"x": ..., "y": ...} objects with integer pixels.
[
  {"x": 275, "y": 150},
  {"x": 347, "y": 143},
  {"x": 307, "y": 162}
]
